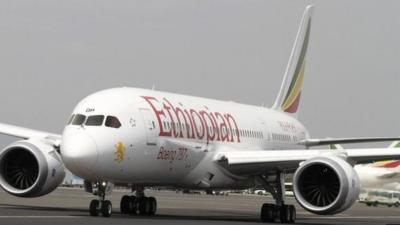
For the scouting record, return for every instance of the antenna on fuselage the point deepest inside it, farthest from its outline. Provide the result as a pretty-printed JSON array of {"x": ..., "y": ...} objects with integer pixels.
[{"x": 153, "y": 87}]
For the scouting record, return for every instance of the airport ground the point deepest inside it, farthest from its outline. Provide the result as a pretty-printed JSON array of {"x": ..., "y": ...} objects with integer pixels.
[{"x": 70, "y": 206}]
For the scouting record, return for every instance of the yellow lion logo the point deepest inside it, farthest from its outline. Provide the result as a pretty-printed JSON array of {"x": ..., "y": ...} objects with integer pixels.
[{"x": 119, "y": 152}]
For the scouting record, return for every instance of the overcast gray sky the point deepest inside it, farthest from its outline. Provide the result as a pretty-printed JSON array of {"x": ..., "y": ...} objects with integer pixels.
[{"x": 55, "y": 52}]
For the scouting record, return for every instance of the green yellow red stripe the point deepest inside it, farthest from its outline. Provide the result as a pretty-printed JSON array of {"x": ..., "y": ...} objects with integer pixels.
[
  {"x": 292, "y": 98},
  {"x": 387, "y": 164}
]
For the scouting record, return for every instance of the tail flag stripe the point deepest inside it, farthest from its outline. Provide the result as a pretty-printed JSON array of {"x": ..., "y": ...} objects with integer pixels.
[
  {"x": 387, "y": 164},
  {"x": 293, "y": 95}
]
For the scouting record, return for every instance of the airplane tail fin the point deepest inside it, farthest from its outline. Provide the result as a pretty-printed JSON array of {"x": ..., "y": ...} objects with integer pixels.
[{"x": 288, "y": 99}]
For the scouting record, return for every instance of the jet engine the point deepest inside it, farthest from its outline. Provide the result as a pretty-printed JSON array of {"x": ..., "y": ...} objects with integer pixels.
[
  {"x": 30, "y": 168},
  {"x": 326, "y": 185}
]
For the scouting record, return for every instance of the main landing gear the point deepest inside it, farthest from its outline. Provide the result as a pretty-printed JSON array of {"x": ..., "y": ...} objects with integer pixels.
[
  {"x": 139, "y": 204},
  {"x": 271, "y": 212},
  {"x": 100, "y": 205}
]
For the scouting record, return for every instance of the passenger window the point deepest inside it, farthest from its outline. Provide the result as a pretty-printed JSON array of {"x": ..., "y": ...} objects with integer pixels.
[
  {"x": 79, "y": 119},
  {"x": 113, "y": 122},
  {"x": 70, "y": 119},
  {"x": 96, "y": 120}
]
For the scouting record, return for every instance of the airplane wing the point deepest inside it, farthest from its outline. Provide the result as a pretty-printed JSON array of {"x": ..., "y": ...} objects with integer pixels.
[
  {"x": 244, "y": 162},
  {"x": 333, "y": 141},
  {"x": 26, "y": 133}
]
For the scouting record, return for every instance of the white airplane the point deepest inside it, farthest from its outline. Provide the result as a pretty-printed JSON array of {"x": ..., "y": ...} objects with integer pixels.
[
  {"x": 147, "y": 138},
  {"x": 381, "y": 174}
]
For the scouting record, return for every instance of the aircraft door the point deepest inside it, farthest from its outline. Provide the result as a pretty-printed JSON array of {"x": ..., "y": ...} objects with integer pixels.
[
  {"x": 266, "y": 133},
  {"x": 150, "y": 126}
]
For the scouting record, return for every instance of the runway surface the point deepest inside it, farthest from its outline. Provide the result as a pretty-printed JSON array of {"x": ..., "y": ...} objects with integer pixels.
[{"x": 70, "y": 206}]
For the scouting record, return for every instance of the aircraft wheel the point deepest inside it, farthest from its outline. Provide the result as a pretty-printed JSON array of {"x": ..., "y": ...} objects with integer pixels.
[
  {"x": 133, "y": 205},
  {"x": 94, "y": 208},
  {"x": 284, "y": 214},
  {"x": 153, "y": 206},
  {"x": 268, "y": 213},
  {"x": 144, "y": 206},
  {"x": 125, "y": 204},
  {"x": 292, "y": 214},
  {"x": 106, "y": 208}
]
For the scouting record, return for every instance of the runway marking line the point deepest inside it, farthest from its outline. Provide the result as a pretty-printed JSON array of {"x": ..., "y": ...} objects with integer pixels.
[
  {"x": 352, "y": 217},
  {"x": 40, "y": 217}
]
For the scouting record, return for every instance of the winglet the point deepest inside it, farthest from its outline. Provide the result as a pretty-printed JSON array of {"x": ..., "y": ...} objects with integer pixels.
[{"x": 288, "y": 99}]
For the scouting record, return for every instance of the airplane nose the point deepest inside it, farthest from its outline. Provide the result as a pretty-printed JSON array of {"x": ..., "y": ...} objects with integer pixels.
[{"x": 79, "y": 152}]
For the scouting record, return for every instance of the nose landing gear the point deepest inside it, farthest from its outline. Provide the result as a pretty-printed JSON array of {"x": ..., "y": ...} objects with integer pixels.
[
  {"x": 101, "y": 205},
  {"x": 139, "y": 204}
]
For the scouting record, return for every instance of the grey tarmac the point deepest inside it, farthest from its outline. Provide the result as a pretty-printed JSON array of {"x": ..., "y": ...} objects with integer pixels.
[{"x": 70, "y": 206}]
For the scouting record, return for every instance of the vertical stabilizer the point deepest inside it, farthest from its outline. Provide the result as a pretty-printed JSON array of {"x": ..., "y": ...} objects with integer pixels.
[{"x": 288, "y": 99}]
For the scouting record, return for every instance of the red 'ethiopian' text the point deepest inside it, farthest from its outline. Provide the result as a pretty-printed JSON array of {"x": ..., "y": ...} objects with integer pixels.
[{"x": 193, "y": 124}]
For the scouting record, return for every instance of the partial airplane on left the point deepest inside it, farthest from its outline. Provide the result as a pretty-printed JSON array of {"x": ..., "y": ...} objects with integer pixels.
[{"x": 148, "y": 138}]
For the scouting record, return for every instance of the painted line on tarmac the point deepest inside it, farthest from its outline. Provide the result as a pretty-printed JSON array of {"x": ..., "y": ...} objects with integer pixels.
[
  {"x": 352, "y": 217},
  {"x": 40, "y": 217}
]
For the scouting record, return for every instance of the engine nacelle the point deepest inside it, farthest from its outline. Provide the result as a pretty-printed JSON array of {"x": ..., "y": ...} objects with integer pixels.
[
  {"x": 326, "y": 185},
  {"x": 30, "y": 168}
]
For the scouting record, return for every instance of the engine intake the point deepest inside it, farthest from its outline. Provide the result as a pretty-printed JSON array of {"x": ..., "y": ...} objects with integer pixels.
[
  {"x": 319, "y": 184},
  {"x": 20, "y": 168},
  {"x": 326, "y": 185},
  {"x": 30, "y": 168}
]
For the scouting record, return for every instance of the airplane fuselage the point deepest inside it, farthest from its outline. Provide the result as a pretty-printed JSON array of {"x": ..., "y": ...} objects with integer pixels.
[{"x": 147, "y": 147}]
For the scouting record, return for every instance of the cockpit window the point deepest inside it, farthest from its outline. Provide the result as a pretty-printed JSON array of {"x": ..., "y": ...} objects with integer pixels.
[
  {"x": 113, "y": 122},
  {"x": 96, "y": 120},
  {"x": 70, "y": 119},
  {"x": 79, "y": 119}
]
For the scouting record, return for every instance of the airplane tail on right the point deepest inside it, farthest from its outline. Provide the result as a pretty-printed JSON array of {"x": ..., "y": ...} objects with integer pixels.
[
  {"x": 391, "y": 164},
  {"x": 388, "y": 164}
]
